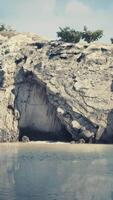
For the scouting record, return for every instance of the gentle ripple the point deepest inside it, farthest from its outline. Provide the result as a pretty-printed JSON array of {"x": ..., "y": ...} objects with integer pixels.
[{"x": 40, "y": 171}]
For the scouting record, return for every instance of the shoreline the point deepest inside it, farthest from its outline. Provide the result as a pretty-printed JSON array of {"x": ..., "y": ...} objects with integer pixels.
[
  {"x": 58, "y": 146},
  {"x": 54, "y": 143}
]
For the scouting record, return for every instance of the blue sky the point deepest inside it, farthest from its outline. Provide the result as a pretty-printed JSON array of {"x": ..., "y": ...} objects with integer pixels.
[{"x": 45, "y": 16}]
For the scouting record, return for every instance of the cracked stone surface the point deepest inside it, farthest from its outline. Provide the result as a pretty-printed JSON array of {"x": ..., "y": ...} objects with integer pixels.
[{"x": 77, "y": 80}]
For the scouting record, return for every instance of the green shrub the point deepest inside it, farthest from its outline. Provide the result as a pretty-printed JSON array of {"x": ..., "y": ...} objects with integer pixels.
[
  {"x": 69, "y": 35},
  {"x": 111, "y": 40},
  {"x": 2, "y": 27},
  {"x": 90, "y": 36},
  {"x": 6, "y": 28}
]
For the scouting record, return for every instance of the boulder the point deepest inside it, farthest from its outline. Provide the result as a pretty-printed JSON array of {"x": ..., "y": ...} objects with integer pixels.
[{"x": 25, "y": 139}]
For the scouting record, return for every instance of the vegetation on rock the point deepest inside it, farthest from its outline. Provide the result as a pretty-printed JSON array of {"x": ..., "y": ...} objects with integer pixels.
[
  {"x": 7, "y": 31},
  {"x": 70, "y": 35},
  {"x": 90, "y": 36},
  {"x": 111, "y": 40},
  {"x": 4, "y": 27}
]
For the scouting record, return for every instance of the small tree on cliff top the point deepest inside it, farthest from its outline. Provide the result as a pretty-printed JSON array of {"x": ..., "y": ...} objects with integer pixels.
[
  {"x": 90, "y": 36},
  {"x": 69, "y": 35},
  {"x": 2, "y": 27},
  {"x": 111, "y": 40},
  {"x": 5, "y": 28}
]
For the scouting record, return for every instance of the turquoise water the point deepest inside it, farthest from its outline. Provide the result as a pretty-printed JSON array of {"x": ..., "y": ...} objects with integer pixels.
[{"x": 40, "y": 171}]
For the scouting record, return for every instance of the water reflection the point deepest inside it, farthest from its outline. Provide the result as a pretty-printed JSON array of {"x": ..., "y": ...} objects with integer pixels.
[{"x": 56, "y": 172}]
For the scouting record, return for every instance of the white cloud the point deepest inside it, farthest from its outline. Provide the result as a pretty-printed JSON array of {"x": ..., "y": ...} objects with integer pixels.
[
  {"x": 77, "y": 7},
  {"x": 80, "y": 14}
]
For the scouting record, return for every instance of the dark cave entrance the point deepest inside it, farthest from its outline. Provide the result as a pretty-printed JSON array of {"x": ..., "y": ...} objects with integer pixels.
[
  {"x": 38, "y": 135},
  {"x": 38, "y": 117}
]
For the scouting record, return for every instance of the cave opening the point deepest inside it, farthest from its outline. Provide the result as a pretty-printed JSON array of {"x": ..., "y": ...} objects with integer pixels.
[
  {"x": 38, "y": 135},
  {"x": 38, "y": 118}
]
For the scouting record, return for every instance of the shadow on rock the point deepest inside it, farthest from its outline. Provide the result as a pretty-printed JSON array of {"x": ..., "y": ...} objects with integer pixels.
[{"x": 107, "y": 136}]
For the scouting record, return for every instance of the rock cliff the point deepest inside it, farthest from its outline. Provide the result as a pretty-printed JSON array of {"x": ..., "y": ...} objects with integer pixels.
[{"x": 50, "y": 90}]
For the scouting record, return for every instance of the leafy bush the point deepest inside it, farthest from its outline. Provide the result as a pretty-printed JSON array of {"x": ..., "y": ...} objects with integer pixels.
[
  {"x": 2, "y": 27},
  {"x": 90, "y": 36},
  {"x": 5, "y": 28},
  {"x": 69, "y": 35},
  {"x": 7, "y": 31},
  {"x": 111, "y": 40}
]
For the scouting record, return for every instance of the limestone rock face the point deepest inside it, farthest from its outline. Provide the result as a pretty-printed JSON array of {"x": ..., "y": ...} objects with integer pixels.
[{"x": 50, "y": 90}]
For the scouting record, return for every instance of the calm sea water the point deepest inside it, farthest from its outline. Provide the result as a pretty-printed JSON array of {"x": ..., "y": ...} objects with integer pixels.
[{"x": 56, "y": 172}]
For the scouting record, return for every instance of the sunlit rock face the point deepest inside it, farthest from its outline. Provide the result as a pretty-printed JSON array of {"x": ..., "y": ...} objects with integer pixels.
[{"x": 53, "y": 90}]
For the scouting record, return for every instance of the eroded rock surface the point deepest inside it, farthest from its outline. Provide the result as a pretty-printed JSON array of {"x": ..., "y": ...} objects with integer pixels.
[{"x": 55, "y": 91}]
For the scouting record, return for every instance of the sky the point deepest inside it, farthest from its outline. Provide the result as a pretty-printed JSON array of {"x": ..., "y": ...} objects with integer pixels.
[{"x": 44, "y": 17}]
